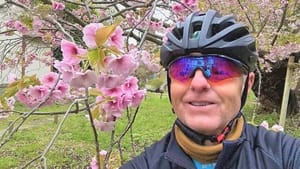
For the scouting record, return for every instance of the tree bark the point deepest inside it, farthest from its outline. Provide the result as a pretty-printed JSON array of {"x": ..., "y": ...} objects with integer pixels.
[{"x": 271, "y": 89}]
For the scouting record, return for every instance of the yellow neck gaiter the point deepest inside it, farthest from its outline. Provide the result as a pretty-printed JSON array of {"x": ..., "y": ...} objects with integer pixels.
[{"x": 206, "y": 153}]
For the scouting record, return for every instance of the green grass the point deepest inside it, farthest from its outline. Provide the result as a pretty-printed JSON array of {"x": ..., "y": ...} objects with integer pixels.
[{"x": 74, "y": 146}]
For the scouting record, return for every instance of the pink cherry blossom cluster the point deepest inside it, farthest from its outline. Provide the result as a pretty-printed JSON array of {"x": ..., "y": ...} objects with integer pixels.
[
  {"x": 280, "y": 53},
  {"x": 17, "y": 25},
  {"x": 133, "y": 19},
  {"x": 34, "y": 95},
  {"x": 82, "y": 11},
  {"x": 9, "y": 63},
  {"x": 102, "y": 155},
  {"x": 275, "y": 127},
  {"x": 38, "y": 28},
  {"x": 89, "y": 36},
  {"x": 118, "y": 88},
  {"x": 29, "y": 59},
  {"x": 181, "y": 8},
  {"x": 58, "y": 6},
  {"x": 118, "y": 99}
]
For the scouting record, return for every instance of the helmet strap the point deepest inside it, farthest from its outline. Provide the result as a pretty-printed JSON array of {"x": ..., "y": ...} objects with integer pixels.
[{"x": 245, "y": 93}]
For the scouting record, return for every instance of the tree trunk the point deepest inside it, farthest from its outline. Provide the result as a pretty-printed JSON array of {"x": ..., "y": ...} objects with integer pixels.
[{"x": 272, "y": 85}]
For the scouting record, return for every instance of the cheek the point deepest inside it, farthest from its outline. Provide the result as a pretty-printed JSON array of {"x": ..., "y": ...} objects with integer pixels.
[
  {"x": 231, "y": 94},
  {"x": 177, "y": 91}
]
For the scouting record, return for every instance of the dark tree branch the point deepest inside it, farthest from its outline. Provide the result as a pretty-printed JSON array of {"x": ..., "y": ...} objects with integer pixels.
[{"x": 281, "y": 24}]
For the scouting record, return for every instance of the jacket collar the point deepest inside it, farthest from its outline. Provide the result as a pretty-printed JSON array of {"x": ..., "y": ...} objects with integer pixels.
[{"x": 177, "y": 156}]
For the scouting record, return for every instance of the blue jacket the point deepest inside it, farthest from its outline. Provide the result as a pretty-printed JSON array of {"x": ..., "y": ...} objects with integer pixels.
[{"x": 257, "y": 148}]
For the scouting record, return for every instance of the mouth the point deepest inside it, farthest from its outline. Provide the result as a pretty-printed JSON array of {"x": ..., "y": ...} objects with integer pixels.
[{"x": 200, "y": 104}]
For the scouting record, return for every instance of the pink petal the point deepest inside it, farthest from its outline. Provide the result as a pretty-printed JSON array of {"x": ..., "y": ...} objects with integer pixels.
[
  {"x": 84, "y": 80},
  {"x": 104, "y": 126},
  {"x": 71, "y": 52},
  {"x": 124, "y": 65},
  {"x": 58, "y": 6},
  {"x": 116, "y": 38},
  {"x": 89, "y": 34},
  {"x": 49, "y": 79},
  {"x": 137, "y": 98},
  {"x": 110, "y": 81},
  {"x": 265, "y": 124},
  {"x": 112, "y": 92},
  {"x": 131, "y": 84}
]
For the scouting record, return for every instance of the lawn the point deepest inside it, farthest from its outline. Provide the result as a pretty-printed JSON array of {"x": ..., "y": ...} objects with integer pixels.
[{"x": 74, "y": 146}]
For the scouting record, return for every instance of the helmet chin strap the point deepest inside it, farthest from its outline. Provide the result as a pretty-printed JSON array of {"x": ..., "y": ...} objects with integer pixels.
[{"x": 219, "y": 138}]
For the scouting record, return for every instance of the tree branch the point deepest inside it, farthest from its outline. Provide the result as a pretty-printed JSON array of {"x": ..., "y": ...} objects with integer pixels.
[{"x": 281, "y": 24}]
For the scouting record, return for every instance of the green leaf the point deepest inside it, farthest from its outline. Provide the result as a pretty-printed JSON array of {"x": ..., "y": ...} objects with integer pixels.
[
  {"x": 20, "y": 84},
  {"x": 4, "y": 104},
  {"x": 95, "y": 92},
  {"x": 102, "y": 34},
  {"x": 96, "y": 58},
  {"x": 95, "y": 112}
]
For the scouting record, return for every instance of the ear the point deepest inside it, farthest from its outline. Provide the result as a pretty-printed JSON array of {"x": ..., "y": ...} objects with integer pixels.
[{"x": 251, "y": 79}]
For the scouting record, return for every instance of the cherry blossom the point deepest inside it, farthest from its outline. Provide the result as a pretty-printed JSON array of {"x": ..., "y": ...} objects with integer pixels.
[
  {"x": 137, "y": 97},
  {"x": 63, "y": 88},
  {"x": 115, "y": 91},
  {"x": 177, "y": 8},
  {"x": 58, "y": 6},
  {"x": 109, "y": 80},
  {"x": 275, "y": 127},
  {"x": 19, "y": 26},
  {"x": 104, "y": 126},
  {"x": 37, "y": 24},
  {"x": 89, "y": 34},
  {"x": 114, "y": 108},
  {"x": 265, "y": 124},
  {"x": 38, "y": 92},
  {"x": 123, "y": 65},
  {"x": 49, "y": 79},
  {"x": 94, "y": 164},
  {"x": 25, "y": 98},
  {"x": 68, "y": 70},
  {"x": 84, "y": 80},
  {"x": 131, "y": 84},
  {"x": 71, "y": 52},
  {"x": 189, "y": 2},
  {"x": 116, "y": 38}
]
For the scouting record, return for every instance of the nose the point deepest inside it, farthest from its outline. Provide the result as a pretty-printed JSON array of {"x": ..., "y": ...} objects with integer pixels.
[{"x": 199, "y": 81}]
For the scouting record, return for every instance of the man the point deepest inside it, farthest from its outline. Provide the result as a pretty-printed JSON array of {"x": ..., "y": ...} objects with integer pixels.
[{"x": 210, "y": 61}]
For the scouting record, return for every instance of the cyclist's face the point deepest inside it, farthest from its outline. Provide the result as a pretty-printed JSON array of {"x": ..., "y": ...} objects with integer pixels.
[{"x": 207, "y": 106}]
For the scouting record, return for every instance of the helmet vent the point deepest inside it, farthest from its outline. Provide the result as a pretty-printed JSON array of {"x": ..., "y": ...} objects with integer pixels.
[
  {"x": 196, "y": 30},
  {"x": 216, "y": 28},
  {"x": 233, "y": 35},
  {"x": 178, "y": 33}
]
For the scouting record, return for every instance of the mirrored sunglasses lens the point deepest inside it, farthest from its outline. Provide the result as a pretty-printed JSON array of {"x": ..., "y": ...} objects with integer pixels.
[
  {"x": 215, "y": 68},
  {"x": 181, "y": 69},
  {"x": 224, "y": 69}
]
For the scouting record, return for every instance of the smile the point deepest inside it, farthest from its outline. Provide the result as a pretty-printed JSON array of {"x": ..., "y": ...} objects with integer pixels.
[{"x": 200, "y": 103}]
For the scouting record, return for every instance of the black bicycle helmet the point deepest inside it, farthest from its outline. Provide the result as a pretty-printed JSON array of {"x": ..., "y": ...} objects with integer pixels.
[{"x": 210, "y": 33}]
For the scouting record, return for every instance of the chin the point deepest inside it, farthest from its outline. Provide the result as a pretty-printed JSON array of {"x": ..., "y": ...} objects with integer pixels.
[{"x": 207, "y": 128}]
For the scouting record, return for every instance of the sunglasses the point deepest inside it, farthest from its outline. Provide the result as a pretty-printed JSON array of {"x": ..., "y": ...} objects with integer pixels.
[{"x": 216, "y": 68}]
